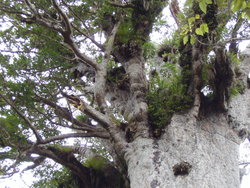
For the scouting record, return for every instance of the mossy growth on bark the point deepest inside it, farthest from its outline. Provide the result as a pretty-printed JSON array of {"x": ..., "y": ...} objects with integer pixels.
[
  {"x": 166, "y": 96},
  {"x": 97, "y": 163},
  {"x": 118, "y": 78}
]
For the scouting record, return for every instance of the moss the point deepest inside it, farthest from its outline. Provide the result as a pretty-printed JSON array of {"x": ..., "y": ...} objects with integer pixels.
[
  {"x": 125, "y": 32},
  {"x": 237, "y": 88},
  {"x": 97, "y": 163},
  {"x": 118, "y": 77},
  {"x": 59, "y": 148}
]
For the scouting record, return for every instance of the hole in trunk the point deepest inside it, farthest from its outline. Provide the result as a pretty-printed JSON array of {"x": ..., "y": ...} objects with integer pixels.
[{"x": 182, "y": 169}]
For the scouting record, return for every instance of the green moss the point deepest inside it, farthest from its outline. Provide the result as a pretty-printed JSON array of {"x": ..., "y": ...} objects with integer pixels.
[
  {"x": 237, "y": 88},
  {"x": 204, "y": 73},
  {"x": 117, "y": 77},
  {"x": 125, "y": 32},
  {"x": 97, "y": 162},
  {"x": 59, "y": 148}
]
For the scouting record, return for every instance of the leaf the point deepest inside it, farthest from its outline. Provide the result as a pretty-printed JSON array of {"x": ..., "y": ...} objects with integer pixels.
[
  {"x": 197, "y": 16},
  {"x": 209, "y": 1},
  {"x": 185, "y": 39},
  {"x": 236, "y": 5},
  {"x": 248, "y": 14},
  {"x": 203, "y": 6},
  {"x": 204, "y": 28},
  {"x": 220, "y": 3},
  {"x": 244, "y": 5},
  {"x": 188, "y": 3},
  {"x": 198, "y": 31},
  {"x": 191, "y": 20},
  {"x": 192, "y": 40},
  {"x": 243, "y": 15}
]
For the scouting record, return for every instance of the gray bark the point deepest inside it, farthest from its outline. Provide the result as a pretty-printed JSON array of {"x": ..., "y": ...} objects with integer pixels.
[
  {"x": 190, "y": 154},
  {"x": 193, "y": 153}
]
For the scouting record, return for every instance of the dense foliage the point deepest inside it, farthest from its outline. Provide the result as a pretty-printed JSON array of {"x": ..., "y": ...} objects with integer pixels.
[{"x": 87, "y": 69}]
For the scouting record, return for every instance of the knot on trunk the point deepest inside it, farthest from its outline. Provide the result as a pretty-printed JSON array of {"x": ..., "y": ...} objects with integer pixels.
[{"x": 182, "y": 169}]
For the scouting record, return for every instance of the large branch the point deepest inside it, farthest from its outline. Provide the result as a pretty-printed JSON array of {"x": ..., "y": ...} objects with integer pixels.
[
  {"x": 65, "y": 19},
  {"x": 88, "y": 110},
  {"x": 101, "y": 118},
  {"x": 65, "y": 158},
  {"x": 76, "y": 135},
  {"x": 101, "y": 75},
  {"x": 233, "y": 45},
  {"x": 175, "y": 10}
]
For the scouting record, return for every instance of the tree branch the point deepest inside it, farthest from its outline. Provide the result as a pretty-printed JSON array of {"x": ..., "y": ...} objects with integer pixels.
[
  {"x": 101, "y": 47},
  {"x": 68, "y": 28},
  {"x": 65, "y": 158},
  {"x": 29, "y": 123},
  {"x": 31, "y": 7},
  {"x": 88, "y": 110},
  {"x": 100, "y": 79},
  {"x": 64, "y": 29},
  {"x": 175, "y": 10},
  {"x": 76, "y": 135},
  {"x": 233, "y": 45},
  {"x": 64, "y": 113}
]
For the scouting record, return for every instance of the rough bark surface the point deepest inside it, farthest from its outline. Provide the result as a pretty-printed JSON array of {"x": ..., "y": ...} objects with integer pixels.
[
  {"x": 208, "y": 147},
  {"x": 205, "y": 151}
]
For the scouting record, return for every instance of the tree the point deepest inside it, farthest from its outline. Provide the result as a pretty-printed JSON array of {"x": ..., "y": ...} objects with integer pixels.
[{"x": 171, "y": 116}]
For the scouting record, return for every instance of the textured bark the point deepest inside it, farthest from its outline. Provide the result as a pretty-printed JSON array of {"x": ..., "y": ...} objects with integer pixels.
[
  {"x": 206, "y": 153},
  {"x": 194, "y": 152}
]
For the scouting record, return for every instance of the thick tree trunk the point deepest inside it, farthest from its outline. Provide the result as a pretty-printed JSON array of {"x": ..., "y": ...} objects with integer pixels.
[{"x": 190, "y": 154}]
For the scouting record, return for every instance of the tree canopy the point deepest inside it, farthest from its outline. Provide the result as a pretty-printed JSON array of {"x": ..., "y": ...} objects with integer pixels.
[{"x": 88, "y": 70}]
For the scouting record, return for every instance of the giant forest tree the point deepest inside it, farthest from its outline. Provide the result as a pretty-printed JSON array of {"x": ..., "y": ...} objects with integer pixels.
[{"x": 144, "y": 115}]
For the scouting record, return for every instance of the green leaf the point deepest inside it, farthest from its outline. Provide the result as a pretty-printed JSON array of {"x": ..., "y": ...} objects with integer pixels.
[
  {"x": 209, "y": 1},
  {"x": 191, "y": 20},
  {"x": 248, "y": 13},
  {"x": 204, "y": 28},
  {"x": 203, "y": 6},
  {"x": 192, "y": 40},
  {"x": 243, "y": 15},
  {"x": 237, "y": 5},
  {"x": 185, "y": 39},
  {"x": 244, "y": 5},
  {"x": 198, "y": 31},
  {"x": 188, "y": 3},
  {"x": 197, "y": 16},
  {"x": 220, "y": 3},
  {"x": 248, "y": 5}
]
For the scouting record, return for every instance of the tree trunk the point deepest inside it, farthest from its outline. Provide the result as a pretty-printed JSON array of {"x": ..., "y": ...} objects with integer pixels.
[{"x": 190, "y": 154}]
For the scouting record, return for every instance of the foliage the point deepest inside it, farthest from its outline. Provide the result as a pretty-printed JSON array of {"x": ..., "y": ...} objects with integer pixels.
[
  {"x": 58, "y": 178},
  {"x": 149, "y": 50},
  {"x": 66, "y": 51},
  {"x": 237, "y": 88},
  {"x": 166, "y": 96}
]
